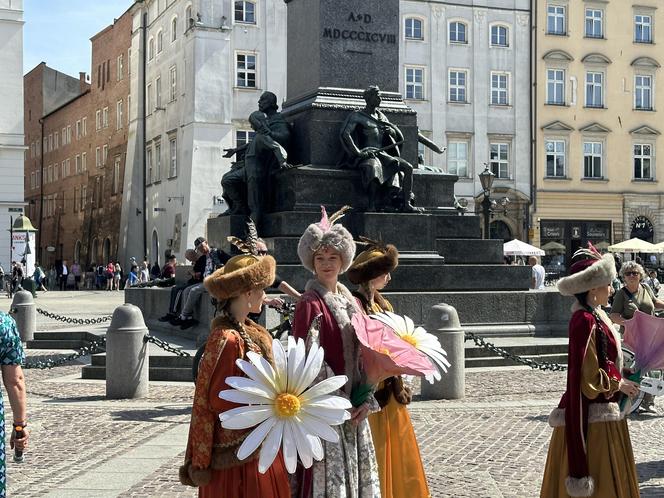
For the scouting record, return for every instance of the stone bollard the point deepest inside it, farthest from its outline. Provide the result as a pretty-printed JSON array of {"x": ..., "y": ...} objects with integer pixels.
[
  {"x": 127, "y": 357},
  {"x": 25, "y": 315},
  {"x": 443, "y": 322}
]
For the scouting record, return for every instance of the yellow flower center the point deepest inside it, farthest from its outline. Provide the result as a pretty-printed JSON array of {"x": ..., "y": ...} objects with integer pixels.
[
  {"x": 287, "y": 405},
  {"x": 410, "y": 339}
]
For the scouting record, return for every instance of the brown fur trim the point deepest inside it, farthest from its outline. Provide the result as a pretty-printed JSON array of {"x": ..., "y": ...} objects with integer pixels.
[
  {"x": 366, "y": 270},
  {"x": 200, "y": 477},
  {"x": 401, "y": 393},
  {"x": 226, "y": 458},
  {"x": 257, "y": 276},
  {"x": 256, "y": 333},
  {"x": 183, "y": 474},
  {"x": 597, "y": 412},
  {"x": 580, "y": 486}
]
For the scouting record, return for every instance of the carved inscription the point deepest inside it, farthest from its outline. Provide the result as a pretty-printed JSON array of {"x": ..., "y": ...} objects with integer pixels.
[{"x": 360, "y": 32}]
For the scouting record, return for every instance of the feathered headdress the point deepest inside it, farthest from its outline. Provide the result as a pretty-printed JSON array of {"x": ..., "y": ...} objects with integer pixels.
[
  {"x": 377, "y": 259},
  {"x": 589, "y": 270},
  {"x": 249, "y": 244},
  {"x": 327, "y": 233}
]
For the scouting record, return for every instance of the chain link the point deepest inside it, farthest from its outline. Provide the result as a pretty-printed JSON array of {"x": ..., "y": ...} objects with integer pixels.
[
  {"x": 164, "y": 345},
  {"x": 42, "y": 363},
  {"x": 77, "y": 321},
  {"x": 543, "y": 365}
]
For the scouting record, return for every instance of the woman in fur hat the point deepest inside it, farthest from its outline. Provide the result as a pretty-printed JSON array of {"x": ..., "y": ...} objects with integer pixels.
[
  {"x": 210, "y": 461},
  {"x": 398, "y": 456},
  {"x": 349, "y": 467},
  {"x": 590, "y": 453}
]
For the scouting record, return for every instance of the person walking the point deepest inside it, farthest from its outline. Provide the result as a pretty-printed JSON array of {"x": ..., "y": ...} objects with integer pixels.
[
  {"x": 11, "y": 358},
  {"x": 635, "y": 295},
  {"x": 76, "y": 271},
  {"x": 117, "y": 275},
  {"x": 64, "y": 274},
  {"x": 349, "y": 467},
  {"x": 210, "y": 462},
  {"x": 399, "y": 463},
  {"x": 590, "y": 453},
  {"x": 537, "y": 273}
]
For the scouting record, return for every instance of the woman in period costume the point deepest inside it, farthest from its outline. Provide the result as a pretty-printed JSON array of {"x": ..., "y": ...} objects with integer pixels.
[
  {"x": 349, "y": 467},
  {"x": 590, "y": 453},
  {"x": 399, "y": 463},
  {"x": 210, "y": 461}
]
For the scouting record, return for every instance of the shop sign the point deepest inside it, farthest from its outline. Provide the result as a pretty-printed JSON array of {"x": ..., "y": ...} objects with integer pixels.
[
  {"x": 552, "y": 231},
  {"x": 642, "y": 228},
  {"x": 595, "y": 232},
  {"x": 576, "y": 232}
]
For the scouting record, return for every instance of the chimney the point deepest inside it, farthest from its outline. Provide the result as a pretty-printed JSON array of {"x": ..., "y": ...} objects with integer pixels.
[{"x": 83, "y": 83}]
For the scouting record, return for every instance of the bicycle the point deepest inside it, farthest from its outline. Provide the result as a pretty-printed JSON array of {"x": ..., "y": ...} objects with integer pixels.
[{"x": 652, "y": 381}]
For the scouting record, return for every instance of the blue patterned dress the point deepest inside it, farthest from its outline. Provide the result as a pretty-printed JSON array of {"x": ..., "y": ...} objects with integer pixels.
[{"x": 11, "y": 353}]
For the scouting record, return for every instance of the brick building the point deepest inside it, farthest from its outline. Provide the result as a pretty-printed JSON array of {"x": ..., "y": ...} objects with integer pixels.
[{"x": 76, "y": 132}]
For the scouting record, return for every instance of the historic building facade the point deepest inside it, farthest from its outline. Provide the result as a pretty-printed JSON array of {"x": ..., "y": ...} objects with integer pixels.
[
  {"x": 597, "y": 93},
  {"x": 11, "y": 122},
  {"x": 76, "y": 133},
  {"x": 465, "y": 69}
]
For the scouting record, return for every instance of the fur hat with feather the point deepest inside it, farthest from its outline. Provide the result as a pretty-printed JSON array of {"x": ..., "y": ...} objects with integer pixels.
[
  {"x": 376, "y": 260},
  {"x": 589, "y": 270}
]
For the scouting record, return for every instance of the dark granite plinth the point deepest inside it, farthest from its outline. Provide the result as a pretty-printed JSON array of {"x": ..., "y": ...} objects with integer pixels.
[
  {"x": 221, "y": 227},
  {"x": 470, "y": 251}
]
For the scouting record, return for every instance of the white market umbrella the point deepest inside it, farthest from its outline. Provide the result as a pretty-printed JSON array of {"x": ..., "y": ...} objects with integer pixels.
[
  {"x": 553, "y": 246},
  {"x": 635, "y": 245},
  {"x": 517, "y": 247}
]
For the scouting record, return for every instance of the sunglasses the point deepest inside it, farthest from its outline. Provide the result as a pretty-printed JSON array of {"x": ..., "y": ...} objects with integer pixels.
[
  {"x": 262, "y": 253},
  {"x": 631, "y": 273}
]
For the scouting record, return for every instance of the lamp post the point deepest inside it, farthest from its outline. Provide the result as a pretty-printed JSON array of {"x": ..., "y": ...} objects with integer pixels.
[{"x": 486, "y": 180}]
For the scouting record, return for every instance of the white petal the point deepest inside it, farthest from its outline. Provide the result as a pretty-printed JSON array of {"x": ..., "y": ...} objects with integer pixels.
[
  {"x": 410, "y": 326},
  {"x": 270, "y": 447},
  {"x": 328, "y": 415},
  {"x": 328, "y": 401},
  {"x": 250, "y": 386},
  {"x": 316, "y": 447},
  {"x": 296, "y": 362},
  {"x": 255, "y": 438},
  {"x": 310, "y": 371},
  {"x": 244, "y": 416},
  {"x": 318, "y": 427},
  {"x": 280, "y": 365},
  {"x": 304, "y": 445},
  {"x": 259, "y": 370},
  {"x": 289, "y": 447},
  {"x": 241, "y": 397},
  {"x": 325, "y": 386}
]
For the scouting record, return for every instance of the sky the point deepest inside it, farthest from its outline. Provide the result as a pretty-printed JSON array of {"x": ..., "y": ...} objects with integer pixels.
[{"x": 58, "y": 32}]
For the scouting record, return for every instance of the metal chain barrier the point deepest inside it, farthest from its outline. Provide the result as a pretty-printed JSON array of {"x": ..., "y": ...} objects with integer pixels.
[
  {"x": 76, "y": 321},
  {"x": 42, "y": 363},
  {"x": 164, "y": 345},
  {"x": 543, "y": 365}
]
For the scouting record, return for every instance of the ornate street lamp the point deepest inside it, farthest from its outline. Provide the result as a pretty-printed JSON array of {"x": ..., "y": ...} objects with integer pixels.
[{"x": 486, "y": 180}]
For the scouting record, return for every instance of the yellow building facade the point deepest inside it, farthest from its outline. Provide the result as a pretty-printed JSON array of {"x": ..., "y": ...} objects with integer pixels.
[{"x": 598, "y": 85}]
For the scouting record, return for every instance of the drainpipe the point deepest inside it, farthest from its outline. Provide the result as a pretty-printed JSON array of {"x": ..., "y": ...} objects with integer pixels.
[
  {"x": 533, "y": 115},
  {"x": 144, "y": 44},
  {"x": 41, "y": 190}
]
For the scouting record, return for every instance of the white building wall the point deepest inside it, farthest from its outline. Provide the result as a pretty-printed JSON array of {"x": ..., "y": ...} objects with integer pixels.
[{"x": 11, "y": 120}]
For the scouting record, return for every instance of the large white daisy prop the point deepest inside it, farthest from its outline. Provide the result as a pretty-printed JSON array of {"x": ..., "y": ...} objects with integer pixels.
[
  {"x": 289, "y": 413},
  {"x": 423, "y": 341}
]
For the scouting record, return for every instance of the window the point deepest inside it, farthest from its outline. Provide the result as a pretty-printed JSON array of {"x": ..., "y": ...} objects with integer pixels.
[
  {"x": 457, "y": 158},
  {"x": 84, "y": 194},
  {"x": 174, "y": 83},
  {"x": 98, "y": 157},
  {"x": 594, "y": 23},
  {"x": 148, "y": 164},
  {"x": 499, "y": 36},
  {"x": 151, "y": 49},
  {"x": 174, "y": 29},
  {"x": 594, "y": 93},
  {"x": 148, "y": 98},
  {"x": 49, "y": 173},
  {"x": 64, "y": 170},
  {"x": 413, "y": 29},
  {"x": 643, "y": 161},
  {"x": 173, "y": 157},
  {"x": 555, "y": 20},
  {"x": 76, "y": 201},
  {"x": 104, "y": 154},
  {"x": 128, "y": 109},
  {"x": 245, "y": 12},
  {"x": 642, "y": 29},
  {"x": 592, "y": 159},
  {"x": 458, "y": 32},
  {"x": 56, "y": 139},
  {"x": 128, "y": 61},
  {"x": 84, "y": 126},
  {"x": 157, "y": 161},
  {"x": 157, "y": 93},
  {"x": 643, "y": 92},
  {"x": 243, "y": 137},
  {"x": 98, "y": 120},
  {"x": 499, "y": 88},
  {"x": 555, "y": 158},
  {"x": 64, "y": 136},
  {"x": 68, "y": 134},
  {"x": 457, "y": 86},
  {"x": 84, "y": 161},
  {"x": 119, "y": 115},
  {"x": 78, "y": 129},
  {"x": 499, "y": 159},
  {"x": 116, "y": 175},
  {"x": 56, "y": 169},
  {"x": 187, "y": 16},
  {"x": 67, "y": 167},
  {"x": 246, "y": 70},
  {"x": 555, "y": 86},
  {"x": 415, "y": 83},
  {"x": 77, "y": 164},
  {"x": 120, "y": 67},
  {"x": 104, "y": 117},
  {"x": 160, "y": 41}
]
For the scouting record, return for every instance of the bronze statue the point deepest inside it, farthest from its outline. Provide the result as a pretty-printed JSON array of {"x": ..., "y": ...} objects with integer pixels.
[
  {"x": 372, "y": 143},
  {"x": 246, "y": 184}
]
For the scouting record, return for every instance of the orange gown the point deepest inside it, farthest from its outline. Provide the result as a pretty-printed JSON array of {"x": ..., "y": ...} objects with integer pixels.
[{"x": 212, "y": 448}]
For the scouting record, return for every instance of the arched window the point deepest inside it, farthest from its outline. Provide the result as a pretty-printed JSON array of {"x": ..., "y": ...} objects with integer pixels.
[
  {"x": 174, "y": 29},
  {"x": 155, "y": 248},
  {"x": 151, "y": 49},
  {"x": 500, "y": 36},
  {"x": 458, "y": 32},
  {"x": 106, "y": 251},
  {"x": 500, "y": 230},
  {"x": 188, "y": 20},
  {"x": 160, "y": 41},
  {"x": 245, "y": 12},
  {"x": 413, "y": 29}
]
